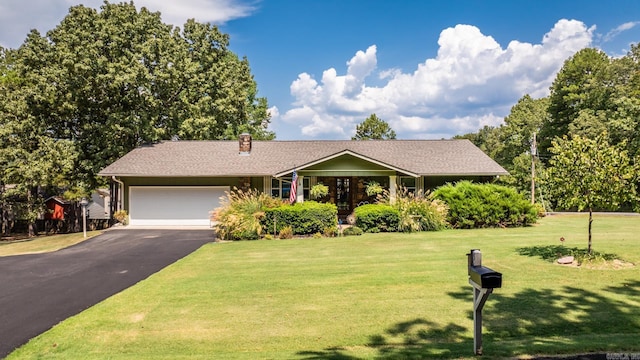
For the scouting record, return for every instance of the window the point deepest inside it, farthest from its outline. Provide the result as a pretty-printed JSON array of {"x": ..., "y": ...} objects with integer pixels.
[
  {"x": 409, "y": 183},
  {"x": 306, "y": 188},
  {"x": 281, "y": 188}
]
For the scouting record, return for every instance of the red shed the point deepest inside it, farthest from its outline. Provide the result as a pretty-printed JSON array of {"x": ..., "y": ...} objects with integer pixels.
[{"x": 56, "y": 207}]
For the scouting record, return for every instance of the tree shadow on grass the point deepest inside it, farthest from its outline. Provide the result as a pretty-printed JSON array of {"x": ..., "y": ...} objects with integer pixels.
[
  {"x": 414, "y": 339},
  {"x": 533, "y": 321},
  {"x": 552, "y": 253}
]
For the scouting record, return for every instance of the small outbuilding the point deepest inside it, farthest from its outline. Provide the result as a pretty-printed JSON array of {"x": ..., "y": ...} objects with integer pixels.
[{"x": 57, "y": 208}]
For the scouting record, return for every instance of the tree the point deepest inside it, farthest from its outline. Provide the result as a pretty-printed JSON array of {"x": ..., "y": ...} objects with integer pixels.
[
  {"x": 524, "y": 120},
  {"x": 111, "y": 80},
  {"x": 374, "y": 128},
  {"x": 30, "y": 158},
  {"x": 593, "y": 93},
  {"x": 591, "y": 174},
  {"x": 7, "y": 78},
  {"x": 624, "y": 119},
  {"x": 584, "y": 82},
  {"x": 513, "y": 143}
]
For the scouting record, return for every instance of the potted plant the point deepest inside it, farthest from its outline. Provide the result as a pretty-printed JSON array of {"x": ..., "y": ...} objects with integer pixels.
[
  {"x": 373, "y": 188},
  {"x": 319, "y": 191}
]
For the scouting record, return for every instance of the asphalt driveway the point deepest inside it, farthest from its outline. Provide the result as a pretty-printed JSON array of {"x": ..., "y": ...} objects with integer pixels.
[{"x": 38, "y": 291}]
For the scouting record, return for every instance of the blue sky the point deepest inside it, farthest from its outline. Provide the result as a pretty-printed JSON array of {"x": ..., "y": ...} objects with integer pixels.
[{"x": 430, "y": 69}]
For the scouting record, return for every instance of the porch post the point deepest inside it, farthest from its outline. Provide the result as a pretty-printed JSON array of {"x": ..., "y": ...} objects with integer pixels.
[
  {"x": 266, "y": 185},
  {"x": 392, "y": 188},
  {"x": 300, "y": 190}
]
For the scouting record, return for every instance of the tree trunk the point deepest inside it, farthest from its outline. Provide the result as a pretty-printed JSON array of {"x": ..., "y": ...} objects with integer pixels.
[
  {"x": 590, "y": 221},
  {"x": 4, "y": 231}
]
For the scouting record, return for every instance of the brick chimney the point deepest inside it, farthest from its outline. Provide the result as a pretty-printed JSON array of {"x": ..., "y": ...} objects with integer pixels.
[{"x": 245, "y": 143}]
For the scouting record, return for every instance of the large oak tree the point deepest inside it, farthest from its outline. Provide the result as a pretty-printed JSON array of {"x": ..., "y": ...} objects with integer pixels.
[
  {"x": 112, "y": 79},
  {"x": 105, "y": 81}
]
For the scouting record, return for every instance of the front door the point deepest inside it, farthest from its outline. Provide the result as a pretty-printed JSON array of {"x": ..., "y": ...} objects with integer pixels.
[{"x": 344, "y": 196}]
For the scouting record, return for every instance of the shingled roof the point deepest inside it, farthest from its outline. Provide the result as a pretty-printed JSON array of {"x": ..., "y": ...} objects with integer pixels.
[{"x": 268, "y": 158}]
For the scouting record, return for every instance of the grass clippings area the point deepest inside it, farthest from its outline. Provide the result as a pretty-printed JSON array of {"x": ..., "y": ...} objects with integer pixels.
[
  {"x": 375, "y": 296},
  {"x": 42, "y": 243}
]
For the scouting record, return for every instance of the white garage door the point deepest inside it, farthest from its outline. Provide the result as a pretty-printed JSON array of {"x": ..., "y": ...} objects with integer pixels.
[{"x": 173, "y": 205}]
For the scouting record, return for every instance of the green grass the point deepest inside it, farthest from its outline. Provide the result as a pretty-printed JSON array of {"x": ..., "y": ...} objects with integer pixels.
[
  {"x": 44, "y": 243},
  {"x": 376, "y": 296}
]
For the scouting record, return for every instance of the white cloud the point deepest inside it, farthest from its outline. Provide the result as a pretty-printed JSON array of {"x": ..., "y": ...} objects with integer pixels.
[
  {"x": 473, "y": 81},
  {"x": 17, "y": 18},
  {"x": 274, "y": 112},
  {"x": 215, "y": 11},
  {"x": 621, "y": 28}
]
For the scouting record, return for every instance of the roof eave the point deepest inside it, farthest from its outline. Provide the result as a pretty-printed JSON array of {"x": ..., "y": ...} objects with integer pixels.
[
  {"x": 121, "y": 175},
  {"x": 468, "y": 174}
]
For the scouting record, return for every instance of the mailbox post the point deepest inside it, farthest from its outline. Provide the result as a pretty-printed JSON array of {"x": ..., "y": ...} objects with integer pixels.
[
  {"x": 84, "y": 202},
  {"x": 483, "y": 280}
]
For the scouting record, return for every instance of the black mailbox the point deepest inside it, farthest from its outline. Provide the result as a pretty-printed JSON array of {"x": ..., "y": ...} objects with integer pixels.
[
  {"x": 483, "y": 280},
  {"x": 485, "y": 277},
  {"x": 482, "y": 276}
]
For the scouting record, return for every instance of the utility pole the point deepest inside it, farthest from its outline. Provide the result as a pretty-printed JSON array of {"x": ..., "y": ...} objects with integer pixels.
[{"x": 534, "y": 152}]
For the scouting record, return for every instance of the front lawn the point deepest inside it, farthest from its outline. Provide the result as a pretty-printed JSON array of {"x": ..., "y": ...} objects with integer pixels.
[
  {"x": 382, "y": 296},
  {"x": 43, "y": 243}
]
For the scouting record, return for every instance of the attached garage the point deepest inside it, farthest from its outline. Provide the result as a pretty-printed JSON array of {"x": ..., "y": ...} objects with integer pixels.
[{"x": 173, "y": 205}]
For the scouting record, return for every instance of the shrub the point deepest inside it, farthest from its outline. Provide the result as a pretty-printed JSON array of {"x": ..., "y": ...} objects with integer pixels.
[
  {"x": 286, "y": 233},
  {"x": 305, "y": 218},
  {"x": 417, "y": 211},
  {"x": 377, "y": 218},
  {"x": 317, "y": 235},
  {"x": 240, "y": 214},
  {"x": 486, "y": 205},
  {"x": 331, "y": 231},
  {"x": 121, "y": 216},
  {"x": 352, "y": 230},
  {"x": 542, "y": 212}
]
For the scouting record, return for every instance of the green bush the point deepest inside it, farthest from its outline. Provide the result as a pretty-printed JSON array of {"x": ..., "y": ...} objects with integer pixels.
[
  {"x": 352, "y": 230},
  {"x": 486, "y": 205},
  {"x": 305, "y": 218},
  {"x": 377, "y": 218}
]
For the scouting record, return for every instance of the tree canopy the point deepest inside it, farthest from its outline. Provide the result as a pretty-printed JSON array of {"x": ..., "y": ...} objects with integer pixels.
[
  {"x": 103, "y": 82},
  {"x": 113, "y": 79},
  {"x": 594, "y": 93},
  {"x": 374, "y": 128}
]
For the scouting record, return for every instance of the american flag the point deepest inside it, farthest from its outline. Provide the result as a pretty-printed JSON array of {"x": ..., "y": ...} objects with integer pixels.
[{"x": 294, "y": 187}]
